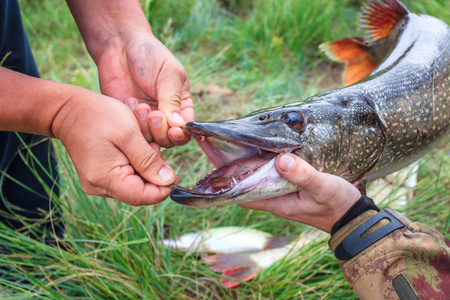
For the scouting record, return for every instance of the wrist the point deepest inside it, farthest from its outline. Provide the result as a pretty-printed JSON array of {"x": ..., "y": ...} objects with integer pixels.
[
  {"x": 117, "y": 42},
  {"x": 106, "y": 24},
  {"x": 69, "y": 111},
  {"x": 359, "y": 207}
]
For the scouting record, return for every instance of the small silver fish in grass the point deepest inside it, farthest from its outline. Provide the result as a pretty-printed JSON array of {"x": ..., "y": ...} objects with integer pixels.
[{"x": 393, "y": 110}]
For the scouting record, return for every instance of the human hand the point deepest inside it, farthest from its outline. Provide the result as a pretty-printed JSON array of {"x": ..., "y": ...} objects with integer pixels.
[
  {"x": 109, "y": 153},
  {"x": 324, "y": 199},
  {"x": 140, "y": 67}
]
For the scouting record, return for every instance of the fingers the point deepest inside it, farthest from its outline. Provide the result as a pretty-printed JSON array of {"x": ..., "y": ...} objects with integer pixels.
[
  {"x": 159, "y": 128},
  {"x": 154, "y": 125},
  {"x": 147, "y": 162},
  {"x": 174, "y": 100},
  {"x": 171, "y": 89},
  {"x": 187, "y": 110},
  {"x": 131, "y": 189},
  {"x": 142, "y": 112},
  {"x": 298, "y": 171},
  {"x": 176, "y": 134}
]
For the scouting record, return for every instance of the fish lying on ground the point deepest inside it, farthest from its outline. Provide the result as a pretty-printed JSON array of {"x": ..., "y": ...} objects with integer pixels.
[
  {"x": 394, "y": 111},
  {"x": 242, "y": 253}
]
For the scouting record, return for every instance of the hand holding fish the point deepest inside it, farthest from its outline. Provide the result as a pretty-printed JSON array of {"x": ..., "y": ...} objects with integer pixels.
[
  {"x": 110, "y": 155},
  {"x": 132, "y": 63},
  {"x": 101, "y": 135},
  {"x": 157, "y": 84},
  {"x": 324, "y": 199}
]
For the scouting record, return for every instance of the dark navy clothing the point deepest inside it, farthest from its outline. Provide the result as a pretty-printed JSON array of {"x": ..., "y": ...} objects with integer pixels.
[
  {"x": 13, "y": 40},
  {"x": 17, "y": 203}
]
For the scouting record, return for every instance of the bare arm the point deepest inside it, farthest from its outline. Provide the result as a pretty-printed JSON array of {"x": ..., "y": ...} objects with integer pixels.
[
  {"x": 105, "y": 24},
  {"x": 30, "y": 104},
  {"x": 100, "y": 134}
]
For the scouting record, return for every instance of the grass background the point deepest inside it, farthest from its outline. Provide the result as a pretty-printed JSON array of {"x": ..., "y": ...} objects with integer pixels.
[{"x": 240, "y": 56}]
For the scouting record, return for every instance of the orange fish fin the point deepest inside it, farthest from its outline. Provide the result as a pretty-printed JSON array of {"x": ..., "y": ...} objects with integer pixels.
[
  {"x": 354, "y": 54},
  {"x": 378, "y": 19},
  {"x": 238, "y": 266},
  {"x": 244, "y": 273}
]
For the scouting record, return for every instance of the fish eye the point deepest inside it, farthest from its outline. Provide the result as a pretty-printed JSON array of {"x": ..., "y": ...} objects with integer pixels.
[{"x": 295, "y": 121}]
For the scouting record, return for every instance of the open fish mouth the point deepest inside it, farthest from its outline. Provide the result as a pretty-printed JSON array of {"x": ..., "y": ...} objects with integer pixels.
[
  {"x": 244, "y": 172},
  {"x": 231, "y": 167}
]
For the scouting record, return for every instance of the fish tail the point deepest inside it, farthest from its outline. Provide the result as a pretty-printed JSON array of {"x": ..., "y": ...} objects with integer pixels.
[
  {"x": 362, "y": 54},
  {"x": 237, "y": 267},
  {"x": 378, "y": 19}
]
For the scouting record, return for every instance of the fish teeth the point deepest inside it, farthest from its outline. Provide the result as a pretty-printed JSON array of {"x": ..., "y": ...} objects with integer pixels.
[{"x": 234, "y": 180}]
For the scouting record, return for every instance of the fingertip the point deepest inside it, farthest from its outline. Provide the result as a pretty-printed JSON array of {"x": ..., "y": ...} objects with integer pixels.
[
  {"x": 295, "y": 169},
  {"x": 286, "y": 162},
  {"x": 167, "y": 175},
  {"x": 154, "y": 194},
  {"x": 159, "y": 129},
  {"x": 131, "y": 103},
  {"x": 156, "y": 119},
  {"x": 176, "y": 119},
  {"x": 141, "y": 111},
  {"x": 177, "y": 136}
]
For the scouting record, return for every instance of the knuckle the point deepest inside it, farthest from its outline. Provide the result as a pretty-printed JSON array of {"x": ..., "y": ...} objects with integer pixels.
[
  {"x": 174, "y": 99},
  {"x": 307, "y": 176},
  {"x": 187, "y": 103},
  {"x": 149, "y": 160}
]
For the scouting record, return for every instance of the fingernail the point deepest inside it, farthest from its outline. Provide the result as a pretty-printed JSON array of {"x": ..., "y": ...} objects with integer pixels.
[
  {"x": 165, "y": 174},
  {"x": 286, "y": 162},
  {"x": 131, "y": 104},
  {"x": 142, "y": 114},
  {"x": 178, "y": 118},
  {"x": 155, "y": 122},
  {"x": 177, "y": 138}
]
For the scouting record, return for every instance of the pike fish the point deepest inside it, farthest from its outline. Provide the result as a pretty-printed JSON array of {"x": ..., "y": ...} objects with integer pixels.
[{"x": 393, "y": 110}]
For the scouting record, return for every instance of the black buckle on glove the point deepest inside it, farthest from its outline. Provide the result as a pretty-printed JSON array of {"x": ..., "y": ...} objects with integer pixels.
[{"x": 354, "y": 244}]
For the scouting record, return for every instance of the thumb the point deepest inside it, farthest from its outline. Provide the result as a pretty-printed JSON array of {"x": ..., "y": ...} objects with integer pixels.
[
  {"x": 171, "y": 90},
  {"x": 147, "y": 162},
  {"x": 298, "y": 171}
]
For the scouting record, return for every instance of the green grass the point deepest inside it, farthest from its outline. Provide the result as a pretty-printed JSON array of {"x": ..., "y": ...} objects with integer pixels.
[{"x": 265, "y": 53}]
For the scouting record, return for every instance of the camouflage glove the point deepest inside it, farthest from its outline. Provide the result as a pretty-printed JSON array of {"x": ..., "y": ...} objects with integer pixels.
[{"x": 411, "y": 262}]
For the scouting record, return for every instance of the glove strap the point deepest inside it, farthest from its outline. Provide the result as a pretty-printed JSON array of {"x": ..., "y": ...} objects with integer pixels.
[{"x": 353, "y": 244}]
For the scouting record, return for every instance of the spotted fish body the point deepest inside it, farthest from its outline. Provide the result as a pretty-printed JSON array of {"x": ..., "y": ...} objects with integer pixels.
[
  {"x": 411, "y": 88},
  {"x": 393, "y": 110}
]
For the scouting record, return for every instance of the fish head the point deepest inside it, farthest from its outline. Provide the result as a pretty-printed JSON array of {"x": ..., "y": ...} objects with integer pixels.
[{"x": 243, "y": 150}]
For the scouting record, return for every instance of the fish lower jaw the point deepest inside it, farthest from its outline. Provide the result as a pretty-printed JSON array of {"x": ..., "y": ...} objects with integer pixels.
[
  {"x": 264, "y": 182},
  {"x": 240, "y": 174}
]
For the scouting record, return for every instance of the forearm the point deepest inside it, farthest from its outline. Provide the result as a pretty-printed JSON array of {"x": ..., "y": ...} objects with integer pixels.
[
  {"x": 105, "y": 23},
  {"x": 29, "y": 104},
  {"x": 414, "y": 259}
]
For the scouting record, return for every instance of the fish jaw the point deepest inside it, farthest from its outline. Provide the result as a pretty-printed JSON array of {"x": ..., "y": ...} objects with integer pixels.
[
  {"x": 245, "y": 162},
  {"x": 264, "y": 183}
]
